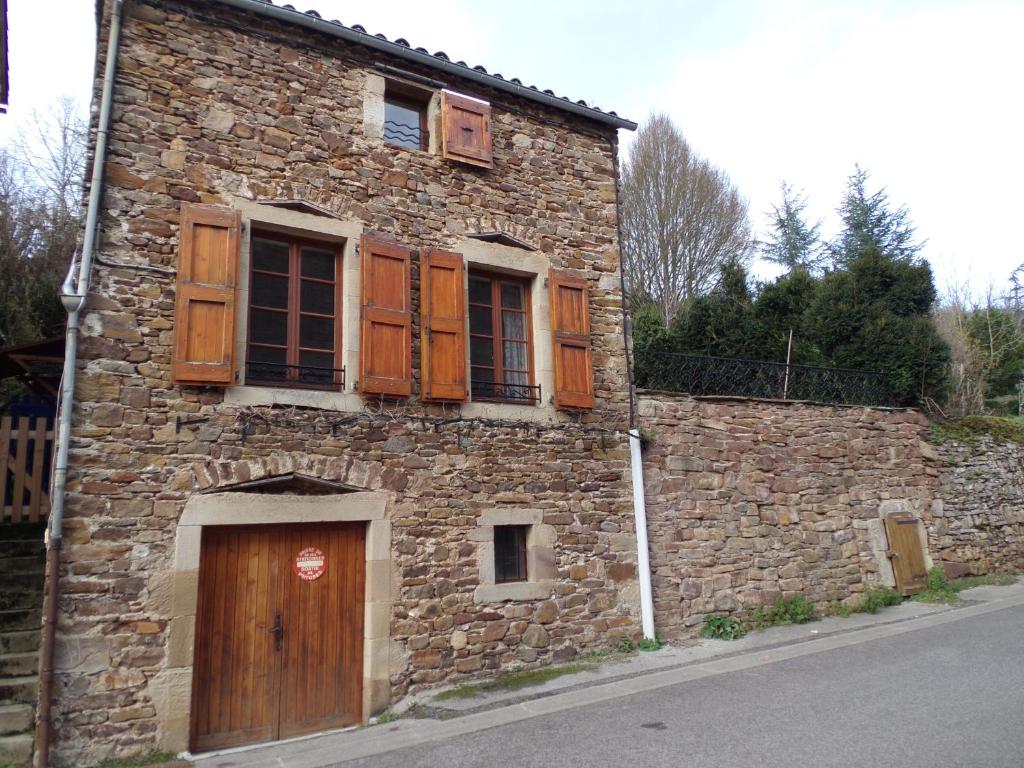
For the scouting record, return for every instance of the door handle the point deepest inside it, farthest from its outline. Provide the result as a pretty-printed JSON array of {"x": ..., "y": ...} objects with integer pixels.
[{"x": 278, "y": 630}]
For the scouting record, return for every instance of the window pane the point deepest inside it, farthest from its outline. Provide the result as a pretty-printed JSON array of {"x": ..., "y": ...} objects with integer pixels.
[
  {"x": 317, "y": 368},
  {"x": 479, "y": 290},
  {"x": 269, "y": 291},
  {"x": 509, "y": 553},
  {"x": 266, "y": 364},
  {"x": 271, "y": 255},
  {"x": 513, "y": 325},
  {"x": 267, "y": 327},
  {"x": 318, "y": 297},
  {"x": 481, "y": 352},
  {"x": 316, "y": 332},
  {"x": 402, "y": 125},
  {"x": 512, "y": 295},
  {"x": 515, "y": 356},
  {"x": 481, "y": 320},
  {"x": 318, "y": 263}
]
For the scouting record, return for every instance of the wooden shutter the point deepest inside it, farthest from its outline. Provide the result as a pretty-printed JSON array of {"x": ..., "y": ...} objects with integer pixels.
[
  {"x": 466, "y": 129},
  {"x": 443, "y": 315},
  {"x": 385, "y": 344},
  {"x": 570, "y": 326},
  {"x": 204, "y": 312}
]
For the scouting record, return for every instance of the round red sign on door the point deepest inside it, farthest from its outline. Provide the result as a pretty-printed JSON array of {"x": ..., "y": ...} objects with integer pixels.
[{"x": 310, "y": 564}]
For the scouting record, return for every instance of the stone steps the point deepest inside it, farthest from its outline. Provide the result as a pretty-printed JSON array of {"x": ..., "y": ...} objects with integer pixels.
[
  {"x": 21, "y": 565},
  {"x": 16, "y": 750},
  {"x": 20, "y": 641},
  {"x": 18, "y": 690},
  {"x": 21, "y": 547},
  {"x": 17, "y": 599},
  {"x": 18, "y": 664},
  {"x": 18, "y": 619},
  {"x": 16, "y": 718},
  {"x": 22, "y": 532}
]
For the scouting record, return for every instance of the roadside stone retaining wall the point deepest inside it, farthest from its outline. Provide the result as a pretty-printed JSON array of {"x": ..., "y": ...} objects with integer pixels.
[
  {"x": 977, "y": 524},
  {"x": 747, "y": 500}
]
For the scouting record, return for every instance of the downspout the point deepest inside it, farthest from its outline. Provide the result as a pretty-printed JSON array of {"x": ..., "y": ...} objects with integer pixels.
[
  {"x": 73, "y": 296},
  {"x": 643, "y": 557}
]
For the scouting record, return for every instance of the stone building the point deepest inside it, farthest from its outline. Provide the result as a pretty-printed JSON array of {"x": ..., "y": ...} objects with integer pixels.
[{"x": 351, "y": 403}]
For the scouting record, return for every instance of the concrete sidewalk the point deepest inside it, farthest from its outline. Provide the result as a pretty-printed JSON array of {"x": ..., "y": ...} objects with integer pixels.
[{"x": 613, "y": 679}]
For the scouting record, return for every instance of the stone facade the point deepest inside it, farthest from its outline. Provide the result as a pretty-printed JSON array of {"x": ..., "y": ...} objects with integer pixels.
[
  {"x": 747, "y": 500},
  {"x": 215, "y": 107},
  {"x": 978, "y": 515}
]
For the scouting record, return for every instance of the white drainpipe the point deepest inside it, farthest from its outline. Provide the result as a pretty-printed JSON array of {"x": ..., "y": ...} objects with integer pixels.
[{"x": 643, "y": 557}]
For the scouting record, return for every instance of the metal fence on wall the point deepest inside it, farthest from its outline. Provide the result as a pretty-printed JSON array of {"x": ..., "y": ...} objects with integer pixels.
[{"x": 701, "y": 375}]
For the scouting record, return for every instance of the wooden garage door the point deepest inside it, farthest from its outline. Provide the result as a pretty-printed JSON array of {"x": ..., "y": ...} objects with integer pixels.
[{"x": 277, "y": 653}]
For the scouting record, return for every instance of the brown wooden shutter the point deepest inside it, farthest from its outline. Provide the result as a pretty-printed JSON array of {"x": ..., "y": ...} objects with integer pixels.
[
  {"x": 570, "y": 326},
  {"x": 466, "y": 129},
  {"x": 443, "y": 315},
  {"x": 385, "y": 345},
  {"x": 204, "y": 312}
]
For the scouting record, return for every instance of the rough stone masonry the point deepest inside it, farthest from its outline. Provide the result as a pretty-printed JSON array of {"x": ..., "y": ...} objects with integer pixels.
[{"x": 211, "y": 107}]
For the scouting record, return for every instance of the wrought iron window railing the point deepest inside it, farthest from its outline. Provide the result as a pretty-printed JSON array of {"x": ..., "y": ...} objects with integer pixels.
[
  {"x": 403, "y": 135},
  {"x": 308, "y": 376},
  {"x": 496, "y": 390},
  {"x": 702, "y": 375}
]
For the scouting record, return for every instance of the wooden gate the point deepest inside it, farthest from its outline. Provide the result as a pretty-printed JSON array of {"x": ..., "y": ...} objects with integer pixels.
[
  {"x": 277, "y": 653},
  {"x": 906, "y": 554},
  {"x": 25, "y": 454}
]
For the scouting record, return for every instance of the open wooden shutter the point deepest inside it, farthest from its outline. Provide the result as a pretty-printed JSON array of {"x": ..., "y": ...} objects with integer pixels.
[
  {"x": 570, "y": 326},
  {"x": 466, "y": 129},
  {"x": 385, "y": 344},
  {"x": 204, "y": 312},
  {"x": 443, "y": 315}
]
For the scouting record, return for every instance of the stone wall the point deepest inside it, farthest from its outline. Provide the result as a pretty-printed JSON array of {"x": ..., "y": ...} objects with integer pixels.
[
  {"x": 978, "y": 515},
  {"x": 215, "y": 110},
  {"x": 747, "y": 500}
]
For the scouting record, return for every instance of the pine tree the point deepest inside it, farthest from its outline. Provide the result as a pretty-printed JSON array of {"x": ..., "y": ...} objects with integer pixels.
[
  {"x": 869, "y": 222},
  {"x": 793, "y": 243}
]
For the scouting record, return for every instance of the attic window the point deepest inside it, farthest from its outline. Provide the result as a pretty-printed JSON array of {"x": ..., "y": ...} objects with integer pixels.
[{"x": 405, "y": 116}]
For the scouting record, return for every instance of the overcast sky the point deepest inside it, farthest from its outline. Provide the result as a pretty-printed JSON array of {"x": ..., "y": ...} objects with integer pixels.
[{"x": 924, "y": 94}]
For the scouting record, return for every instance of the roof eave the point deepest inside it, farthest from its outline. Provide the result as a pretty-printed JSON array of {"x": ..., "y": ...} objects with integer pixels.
[{"x": 291, "y": 16}]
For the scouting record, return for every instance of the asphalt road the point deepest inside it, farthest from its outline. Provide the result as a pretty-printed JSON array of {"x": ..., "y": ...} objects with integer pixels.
[{"x": 944, "y": 696}]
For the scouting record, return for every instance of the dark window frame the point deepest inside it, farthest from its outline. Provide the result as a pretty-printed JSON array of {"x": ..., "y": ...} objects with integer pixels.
[
  {"x": 408, "y": 97},
  {"x": 517, "y": 537},
  {"x": 497, "y": 337},
  {"x": 293, "y": 311}
]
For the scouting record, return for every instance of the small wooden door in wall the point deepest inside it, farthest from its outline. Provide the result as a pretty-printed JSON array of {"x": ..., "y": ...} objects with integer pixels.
[
  {"x": 906, "y": 554},
  {"x": 279, "y": 632}
]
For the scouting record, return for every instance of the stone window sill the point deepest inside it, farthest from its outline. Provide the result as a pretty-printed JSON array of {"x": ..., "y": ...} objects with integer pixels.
[{"x": 514, "y": 590}]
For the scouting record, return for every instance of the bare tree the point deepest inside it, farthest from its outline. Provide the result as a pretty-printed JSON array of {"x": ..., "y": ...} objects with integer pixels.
[
  {"x": 682, "y": 219},
  {"x": 40, "y": 218}
]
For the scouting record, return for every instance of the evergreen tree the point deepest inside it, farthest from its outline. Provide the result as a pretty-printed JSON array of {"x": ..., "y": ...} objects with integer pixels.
[
  {"x": 869, "y": 222},
  {"x": 873, "y": 316},
  {"x": 793, "y": 242}
]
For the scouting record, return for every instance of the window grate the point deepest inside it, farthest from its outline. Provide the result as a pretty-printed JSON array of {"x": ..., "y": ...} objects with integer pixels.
[
  {"x": 495, "y": 390},
  {"x": 312, "y": 376},
  {"x": 403, "y": 134}
]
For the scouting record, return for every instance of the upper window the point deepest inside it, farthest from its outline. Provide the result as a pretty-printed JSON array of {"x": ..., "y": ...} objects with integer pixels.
[
  {"x": 405, "y": 116},
  {"x": 294, "y": 313},
  {"x": 499, "y": 338}
]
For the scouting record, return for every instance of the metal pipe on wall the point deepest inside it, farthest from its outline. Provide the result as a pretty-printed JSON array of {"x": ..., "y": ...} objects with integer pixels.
[{"x": 73, "y": 295}]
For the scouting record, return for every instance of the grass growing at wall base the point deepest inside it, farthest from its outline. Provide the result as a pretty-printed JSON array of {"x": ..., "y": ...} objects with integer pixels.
[
  {"x": 513, "y": 681},
  {"x": 940, "y": 590},
  {"x": 152, "y": 758}
]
